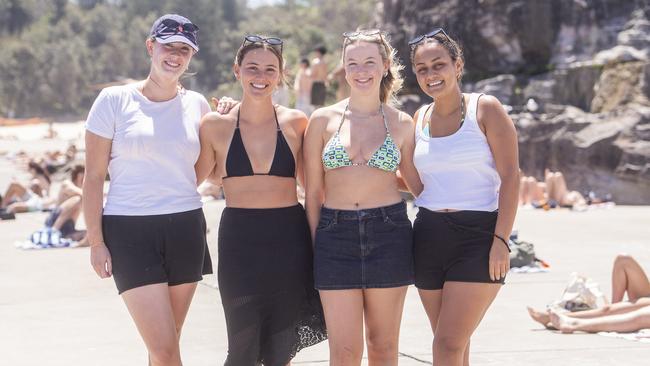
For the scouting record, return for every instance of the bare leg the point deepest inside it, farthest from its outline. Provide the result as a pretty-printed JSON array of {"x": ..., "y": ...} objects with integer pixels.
[
  {"x": 628, "y": 322},
  {"x": 18, "y": 207},
  {"x": 628, "y": 276},
  {"x": 383, "y": 314},
  {"x": 549, "y": 179},
  {"x": 181, "y": 297},
  {"x": 344, "y": 318},
  {"x": 523, "y": 191},
  {"x": 70, "y": 210},
  {"x": 151, "y": 309},
  {"x": 13, "y": 192},
  {"x": 463, "y": 306},
  {"x": 544, "y": 317}
]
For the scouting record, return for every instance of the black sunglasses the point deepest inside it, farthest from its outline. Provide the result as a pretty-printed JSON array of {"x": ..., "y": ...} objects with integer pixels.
[
  {"x": 431, "y": 34},
  {"x": 170, "y": 27},
  {"x": 274, "y": 42}
]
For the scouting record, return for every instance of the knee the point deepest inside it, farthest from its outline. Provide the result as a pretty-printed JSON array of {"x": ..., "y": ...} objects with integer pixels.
[
  {"x": 166, "y": 354},
  {"x": 623, "y": 260},
  {"x": 449, "y": 345},
  {"x": 382, "y": 349},
  {"x": 341, "y": 355}
]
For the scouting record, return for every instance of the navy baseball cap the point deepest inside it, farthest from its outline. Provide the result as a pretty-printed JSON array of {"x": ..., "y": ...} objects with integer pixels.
[{"x": 175, "y": 28}]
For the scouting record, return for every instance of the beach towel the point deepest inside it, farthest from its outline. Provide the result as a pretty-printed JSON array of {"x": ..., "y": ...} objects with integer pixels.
[
  {"x": 642, "y": 336},
  {"x": 45, "y": 238}
]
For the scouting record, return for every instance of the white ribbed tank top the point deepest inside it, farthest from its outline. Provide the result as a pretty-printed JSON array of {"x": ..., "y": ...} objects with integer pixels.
[{"x": 458, "y": 171}]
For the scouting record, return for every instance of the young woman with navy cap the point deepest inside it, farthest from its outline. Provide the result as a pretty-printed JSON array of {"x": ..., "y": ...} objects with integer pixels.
[{"x": 150, "y": 234}]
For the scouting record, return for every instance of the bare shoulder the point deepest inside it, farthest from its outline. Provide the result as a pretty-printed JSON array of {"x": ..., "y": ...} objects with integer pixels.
[
  {"x": 216, "y": 122},
  {"x": 489, "y": 108},
  {"x": 294, "y": 118},
  {"x": 322, "y": 116},
  {"x": 398, "y": 119}
]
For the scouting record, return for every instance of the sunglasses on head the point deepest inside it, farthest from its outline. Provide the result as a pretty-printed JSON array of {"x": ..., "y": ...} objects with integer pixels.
[
  {"x": 274, "y": 42},
  {"x": 431, "y": 34},
  {"x": 368, "y": 32},
  {"x": 170, "y": 27}
]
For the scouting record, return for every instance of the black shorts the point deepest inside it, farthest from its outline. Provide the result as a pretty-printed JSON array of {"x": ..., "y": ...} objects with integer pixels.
[
  {"x": 145, "y": 250},
  {"x": 318, "y": 93},
  {"x": 452, "y": 246}
]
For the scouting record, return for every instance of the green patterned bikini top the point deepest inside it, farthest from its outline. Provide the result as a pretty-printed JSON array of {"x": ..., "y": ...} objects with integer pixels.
[{"x": 387, "y": 157}]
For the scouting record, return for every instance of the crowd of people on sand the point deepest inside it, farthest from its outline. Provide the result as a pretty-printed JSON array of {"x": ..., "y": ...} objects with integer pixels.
[
  {"x": 60, "y": 169},
  {"x": 338, "y": 267}
]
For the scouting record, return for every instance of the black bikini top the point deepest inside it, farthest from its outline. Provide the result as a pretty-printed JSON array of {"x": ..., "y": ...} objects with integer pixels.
[{"x": 238, "y": 163}]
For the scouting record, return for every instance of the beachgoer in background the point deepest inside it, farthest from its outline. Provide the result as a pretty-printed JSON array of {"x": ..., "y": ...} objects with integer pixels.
[
  {"x": 27, "y": 197},
  {"x": 362, "y": 235},
  {"x": 620, "y": 316},
  {"x": 342, "y": 87},
  {"x": 551, "y": 193},
  {"x": 150, "y": 235},
  {"x": 67, "y": 207},
  {"x": 265, "y": 257},
  {"x": 466, "y": 155},
  {"x": 302, "y": 87},
  {"x": 318, "y": 77}
]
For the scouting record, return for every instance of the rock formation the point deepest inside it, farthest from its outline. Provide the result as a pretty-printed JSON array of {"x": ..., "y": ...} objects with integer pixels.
[{"x": 583, "y": 64}]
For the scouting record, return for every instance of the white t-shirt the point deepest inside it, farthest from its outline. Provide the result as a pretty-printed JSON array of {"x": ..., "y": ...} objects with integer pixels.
[{"x": 155, "y": 146}]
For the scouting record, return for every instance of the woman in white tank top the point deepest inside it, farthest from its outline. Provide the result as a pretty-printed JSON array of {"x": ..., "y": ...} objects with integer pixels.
[{"x": 466, "y": 156}]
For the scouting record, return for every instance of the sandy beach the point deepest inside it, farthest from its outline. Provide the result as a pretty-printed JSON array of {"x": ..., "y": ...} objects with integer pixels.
[{"x": 54, "y": 310}]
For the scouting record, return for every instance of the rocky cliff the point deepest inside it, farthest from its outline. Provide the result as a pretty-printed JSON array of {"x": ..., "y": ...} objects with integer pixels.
[{"x": 574, "y": 74}]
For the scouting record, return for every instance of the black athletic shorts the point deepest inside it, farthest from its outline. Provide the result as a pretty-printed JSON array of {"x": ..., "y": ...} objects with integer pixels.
[
  {"x": 452, "y": 246},
  {"x": 169, "y": 248}
]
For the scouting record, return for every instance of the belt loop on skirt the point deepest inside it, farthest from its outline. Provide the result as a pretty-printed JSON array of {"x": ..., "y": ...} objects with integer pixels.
[
  {"x": 336, "y": 216},
  {"x": 384, "y": 215}
]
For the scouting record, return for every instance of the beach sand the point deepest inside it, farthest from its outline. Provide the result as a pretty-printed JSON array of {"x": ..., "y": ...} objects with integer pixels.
[{"x": 54, "y": 310}]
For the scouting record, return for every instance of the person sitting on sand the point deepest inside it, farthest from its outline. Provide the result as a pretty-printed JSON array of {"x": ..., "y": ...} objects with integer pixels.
[
  {"x": 619, "y": 316},
  {"x": 27, "y": 197},
  {"x": 531, "y": 191},
  {"x": 68, "y": 207}
]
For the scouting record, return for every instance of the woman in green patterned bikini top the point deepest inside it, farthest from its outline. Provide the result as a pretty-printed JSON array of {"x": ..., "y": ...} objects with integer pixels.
[
  {"x": 387, "y": 157},
  {"x": 363, "y": 260}
]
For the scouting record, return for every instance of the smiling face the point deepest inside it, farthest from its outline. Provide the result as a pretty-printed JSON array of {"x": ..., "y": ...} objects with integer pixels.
[
  {"x": 436, "y": 72},
  {"x": 364, "y": 67},
  {"x": 169, "y": 61},
  {"x": 259, "y": 72}
]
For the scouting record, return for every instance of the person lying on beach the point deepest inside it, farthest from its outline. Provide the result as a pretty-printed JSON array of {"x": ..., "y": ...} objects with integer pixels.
[
  {"x": 619, "y": 316},
  {"x": 551, "y": 193}
]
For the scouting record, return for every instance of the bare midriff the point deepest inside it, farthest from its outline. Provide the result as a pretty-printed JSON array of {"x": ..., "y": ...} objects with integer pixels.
[
  {"x": 360, "y": 187},
  {"x": 260, "y": 191}
]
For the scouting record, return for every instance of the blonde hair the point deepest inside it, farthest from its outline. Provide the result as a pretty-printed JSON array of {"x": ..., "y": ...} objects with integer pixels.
[{"x": 392, "y": 81}]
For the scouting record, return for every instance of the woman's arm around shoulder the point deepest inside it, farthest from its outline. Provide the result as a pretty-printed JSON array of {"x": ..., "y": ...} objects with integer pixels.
[{"x": 408, "y": 178}]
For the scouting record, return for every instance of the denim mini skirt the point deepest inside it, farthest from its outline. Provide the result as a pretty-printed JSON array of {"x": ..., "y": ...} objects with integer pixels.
[{"x": 369, "y": 248}]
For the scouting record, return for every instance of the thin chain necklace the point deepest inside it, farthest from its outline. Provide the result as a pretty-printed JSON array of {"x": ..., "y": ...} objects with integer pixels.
[{"x": 462, "y": 114}]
